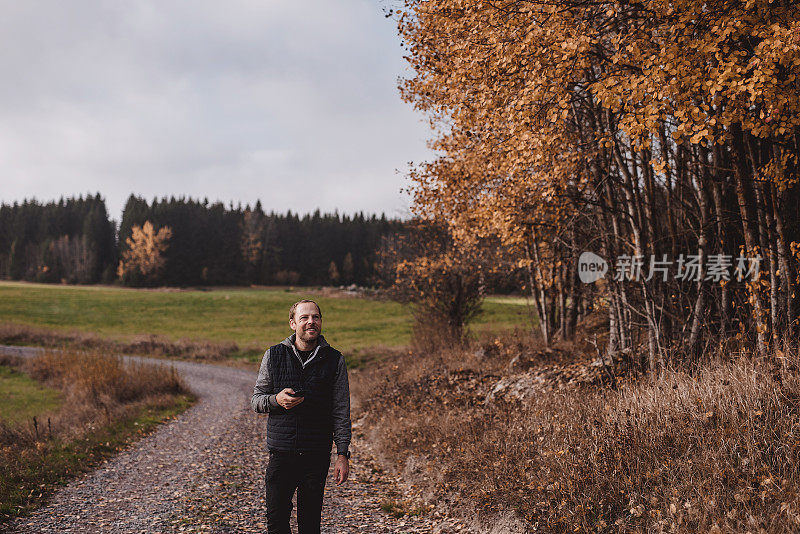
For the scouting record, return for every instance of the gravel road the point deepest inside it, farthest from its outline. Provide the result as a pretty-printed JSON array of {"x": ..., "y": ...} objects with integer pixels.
[{"x": 203, "y": 472}]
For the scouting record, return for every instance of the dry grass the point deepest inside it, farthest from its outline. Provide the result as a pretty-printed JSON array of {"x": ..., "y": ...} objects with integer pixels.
[
  {"x": 107, "y": 403},
  {"x": 93, "y": 381},
  {"x": 686, "y": 452},
  {"x": 151, "y": 345}
]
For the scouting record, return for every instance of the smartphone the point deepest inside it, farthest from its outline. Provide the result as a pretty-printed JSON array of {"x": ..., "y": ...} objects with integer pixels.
[{"x": 297, "y": 393}]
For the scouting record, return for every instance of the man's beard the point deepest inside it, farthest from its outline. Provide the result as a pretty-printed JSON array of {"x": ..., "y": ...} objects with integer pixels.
[{"x": 306, "y": 336}]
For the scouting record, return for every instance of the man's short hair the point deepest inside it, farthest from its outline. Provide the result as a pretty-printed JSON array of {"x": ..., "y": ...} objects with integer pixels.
[{"x": 299, "y": 302}]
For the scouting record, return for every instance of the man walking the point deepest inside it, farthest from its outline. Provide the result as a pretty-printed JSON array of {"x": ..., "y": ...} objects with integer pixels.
[{"x": 303, "y": 386}]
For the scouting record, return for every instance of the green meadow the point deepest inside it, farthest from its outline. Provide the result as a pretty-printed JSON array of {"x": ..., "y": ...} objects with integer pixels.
[
  {"x": 24, "y": 398},
  {"x": 253, "y": 318}
]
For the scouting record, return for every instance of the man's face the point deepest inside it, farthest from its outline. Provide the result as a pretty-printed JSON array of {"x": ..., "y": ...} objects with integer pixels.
[{"x": 307, "y": 322}]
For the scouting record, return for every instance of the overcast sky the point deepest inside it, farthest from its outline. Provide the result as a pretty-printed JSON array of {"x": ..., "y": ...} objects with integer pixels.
[{"x": 289, "y": 101}]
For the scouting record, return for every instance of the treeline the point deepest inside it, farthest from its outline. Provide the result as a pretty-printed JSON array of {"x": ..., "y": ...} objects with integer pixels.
[
  {"x": 71, "y": 240},
  {"x": 185, "y": 242},
  {"x": 662, "y": 136}
]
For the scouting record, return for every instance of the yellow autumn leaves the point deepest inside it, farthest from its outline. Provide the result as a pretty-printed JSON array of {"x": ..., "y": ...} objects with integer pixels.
[{"x": 145, "y": 253}]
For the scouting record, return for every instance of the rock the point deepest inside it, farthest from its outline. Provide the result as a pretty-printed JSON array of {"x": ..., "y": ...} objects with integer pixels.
[
  {"x": 516, "y": 387},
  {"x": 525, "y": 361},
  {"x": 528, "y": 377}
]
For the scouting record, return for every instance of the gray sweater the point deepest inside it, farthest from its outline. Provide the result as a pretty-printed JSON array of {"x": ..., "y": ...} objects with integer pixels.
[{"x": 262, "y": 400}]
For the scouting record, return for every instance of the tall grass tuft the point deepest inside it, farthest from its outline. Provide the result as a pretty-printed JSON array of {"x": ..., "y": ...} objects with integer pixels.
[{"x": 106, "y": 381}]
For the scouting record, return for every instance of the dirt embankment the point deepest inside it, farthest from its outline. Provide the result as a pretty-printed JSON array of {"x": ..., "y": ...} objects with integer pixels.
[{"x": 515, "y": 439}]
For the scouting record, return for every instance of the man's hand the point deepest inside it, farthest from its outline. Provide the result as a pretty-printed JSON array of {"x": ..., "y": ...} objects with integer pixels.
[
  {"x": 341, "y": 469},
  {"x": 287, "y": 401}
]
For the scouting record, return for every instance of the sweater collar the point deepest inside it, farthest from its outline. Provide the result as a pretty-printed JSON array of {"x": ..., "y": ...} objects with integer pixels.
[{"x": 289, "y": 341}]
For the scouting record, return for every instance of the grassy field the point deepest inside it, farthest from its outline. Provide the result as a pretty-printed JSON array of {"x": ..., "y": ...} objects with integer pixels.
[
  {"x": 24, "y": 398},
  {"x": 251, "y": 318}
]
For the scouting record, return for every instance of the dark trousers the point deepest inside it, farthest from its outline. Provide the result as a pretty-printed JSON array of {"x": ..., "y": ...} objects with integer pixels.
[{"x": 289, "y": 471}]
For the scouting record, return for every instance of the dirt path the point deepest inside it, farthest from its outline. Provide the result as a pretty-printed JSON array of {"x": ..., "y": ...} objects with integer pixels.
[{"x": 203, "y": 472}]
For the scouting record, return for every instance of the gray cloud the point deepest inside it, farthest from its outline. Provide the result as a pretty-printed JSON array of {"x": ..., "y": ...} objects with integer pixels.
[{"x": 294, "y": 103}]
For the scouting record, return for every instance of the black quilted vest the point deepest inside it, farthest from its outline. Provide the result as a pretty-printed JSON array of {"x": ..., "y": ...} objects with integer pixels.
[{"x": 309, "y": 425}]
